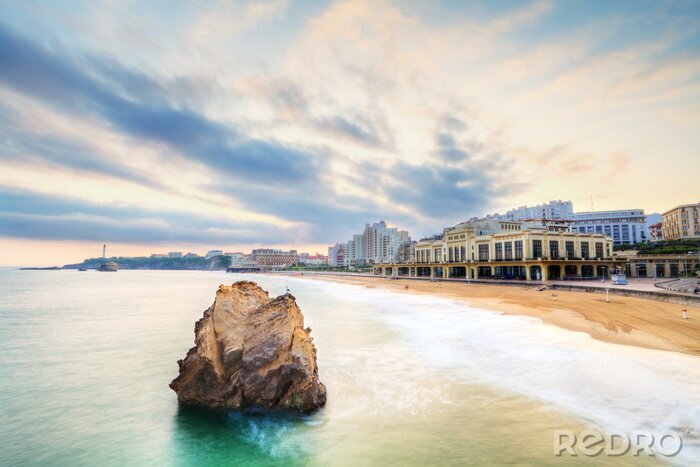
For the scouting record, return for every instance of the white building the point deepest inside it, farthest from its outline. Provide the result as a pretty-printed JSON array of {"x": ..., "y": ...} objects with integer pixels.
[
  {"x": 237, "y": 259},
  {"x": 554, "y": 210},
  {"x": 175, "y": 254},
  {"x": 212, "y": 253},
  {"x": 353, "y": 252},
  {"x": 624, "y": 226},
  {"x": 313, "y": 260},
  {"x": 336, "y": 255},
  {"x": 376, "y": 244}
]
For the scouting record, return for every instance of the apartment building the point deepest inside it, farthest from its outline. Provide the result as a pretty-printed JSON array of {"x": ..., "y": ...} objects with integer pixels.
[
  {"x": 336, "y": 255},
  {"x": 681, "y": 222},
  {"x": 376, "y": 244},
  {"x": 555, "y": 209},
  {"x": 656, "y": 232}
]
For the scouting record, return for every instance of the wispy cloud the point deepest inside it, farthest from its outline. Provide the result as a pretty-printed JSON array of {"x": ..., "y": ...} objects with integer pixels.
[{"x": 301, "y": 122}]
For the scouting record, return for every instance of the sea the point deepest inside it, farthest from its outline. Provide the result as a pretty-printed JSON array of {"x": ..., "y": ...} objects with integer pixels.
[{"x": 86, "y": 358}]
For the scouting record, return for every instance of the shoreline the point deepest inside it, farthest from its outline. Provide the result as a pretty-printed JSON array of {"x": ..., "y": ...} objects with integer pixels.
[{"x": 625, "y": 320}]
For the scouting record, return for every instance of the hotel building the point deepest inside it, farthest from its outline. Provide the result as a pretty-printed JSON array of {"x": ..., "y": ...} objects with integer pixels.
[
  {"x": 492, "y": 248},
  {"x": 682, "y": 222},
  {"x": 268, "y": 258},
  {"x": 626, "y": 226}
]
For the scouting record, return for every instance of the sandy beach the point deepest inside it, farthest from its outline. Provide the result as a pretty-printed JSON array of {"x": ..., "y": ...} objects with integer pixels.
[{"x": 625, "y": 320}]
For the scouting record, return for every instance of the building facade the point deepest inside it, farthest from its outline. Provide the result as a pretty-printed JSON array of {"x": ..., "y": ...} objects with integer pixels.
[
  {"x": 626, "y": 226},
  {"x": 656, "y": 232},
  {"x": 682, "y": 222},
  {"x": 491, "y": 248},
  {"x": 313, "y": 260},
  {"x": 353, "y": 252},
  {"x": 237, "y": 259},
  {"x": 407, "y": 252},
  {"x": 268, "y": 258},
  {"x": 658, "y": 266},
  {"x": 556, "y": 210},
  {"x": 336, "y": 255},
  {"x": 212, "y": 253},
  {"x": 376, "y": 244}
]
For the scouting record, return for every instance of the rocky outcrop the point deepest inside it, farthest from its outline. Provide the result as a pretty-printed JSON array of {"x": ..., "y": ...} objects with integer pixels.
[
  {"x": 109, "y": 266},
  {"x": 250, "y": 351}
]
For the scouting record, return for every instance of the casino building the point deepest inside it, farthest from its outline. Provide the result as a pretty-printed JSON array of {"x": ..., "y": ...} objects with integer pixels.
[{"x": 517, "y": 250}]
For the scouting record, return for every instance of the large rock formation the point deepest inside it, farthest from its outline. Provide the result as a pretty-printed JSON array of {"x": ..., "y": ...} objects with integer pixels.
[{"x": 250, "y": 351}]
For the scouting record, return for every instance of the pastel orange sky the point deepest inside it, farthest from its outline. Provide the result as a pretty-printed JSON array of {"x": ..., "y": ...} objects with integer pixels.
[{"x": 169, "y": 126}]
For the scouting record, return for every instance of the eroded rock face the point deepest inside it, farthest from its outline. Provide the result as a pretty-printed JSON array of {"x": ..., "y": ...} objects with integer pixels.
[{"x": 250, "y": 351}]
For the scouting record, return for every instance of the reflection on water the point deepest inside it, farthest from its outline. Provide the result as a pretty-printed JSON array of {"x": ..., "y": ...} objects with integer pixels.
[
  {"x": 87, "y": 359},
  {"x": 205, "y": 437}
]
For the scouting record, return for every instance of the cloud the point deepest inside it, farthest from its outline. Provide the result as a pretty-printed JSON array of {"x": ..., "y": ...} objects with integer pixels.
[
  {"x": 27, "y": 214},
  {"x": 69, "y": 85},
  {"x": 47, "y": 150},
  {"x": 440, "y": 191}
]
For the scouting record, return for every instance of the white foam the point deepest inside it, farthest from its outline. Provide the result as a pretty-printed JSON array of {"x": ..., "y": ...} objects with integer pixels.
[{"x": 616, "y": 387}]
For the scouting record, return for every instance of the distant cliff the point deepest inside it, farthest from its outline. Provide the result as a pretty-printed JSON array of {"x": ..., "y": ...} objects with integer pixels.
[{"x": 143, "y": 262}]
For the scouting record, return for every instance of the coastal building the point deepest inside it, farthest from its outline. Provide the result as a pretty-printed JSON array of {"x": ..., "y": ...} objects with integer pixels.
[
  {"x": 376, "y": 244},
  {"x": 237, "y": 258},
  {"x": 213, "y": 253},
  {"x": 175, "y": 254},
  {"x": 192, "y": 255},
  {"x": 241, "y": 262},
  {"x": 556, "y": 209},
  {"x": 659, "y": 266},
  {"x": 336, "y": 255},
  {"x": 625, "y": 226},
  {"x": 313, "y": 260},
  {"x": 407, "y": 252},
  {"x": 268, "y": 258},
  {"x": 682, "y": 222},
  {"x": 353, "y": 252},
  {"x": 656, "y": 232},
  {"x": 158, "y": 255},
  {"x": 492, "y": 248}
]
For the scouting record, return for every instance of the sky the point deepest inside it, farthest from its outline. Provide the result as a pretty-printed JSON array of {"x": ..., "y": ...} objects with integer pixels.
[{"x": 187, "y": 126}]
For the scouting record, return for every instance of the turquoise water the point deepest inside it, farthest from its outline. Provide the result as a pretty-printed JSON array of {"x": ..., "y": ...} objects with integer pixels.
[{"x": 87, "y": 358}]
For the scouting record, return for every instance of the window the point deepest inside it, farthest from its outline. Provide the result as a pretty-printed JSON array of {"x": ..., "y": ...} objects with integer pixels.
[
  {"x": 450, "y": 254},
  {"x": 509, "y": 250},
  {"x": 537, "y": 248},
  {"x": 598, "y": 249},
  {"x": 554, "y": 249},
  {"x": 584, "y": 250},
  {"x": 518, "y": 249},
  {"x": 570, "y": 249},
  {"x": 463, "y": 253},
  {"x": 499, "y": 251},
  {"x": 483, "y": 252}
]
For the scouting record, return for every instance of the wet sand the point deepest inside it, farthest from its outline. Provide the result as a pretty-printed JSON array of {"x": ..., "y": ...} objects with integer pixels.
[{"x": 625, "y": 320}]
